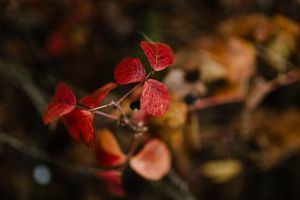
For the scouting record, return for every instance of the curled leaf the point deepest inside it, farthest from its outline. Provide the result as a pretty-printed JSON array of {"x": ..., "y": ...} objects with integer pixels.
[
  {"x": 63, "y": 102},
  {"x": 155, "y": 98},
  {"x": 113, "y": 181},
  {"x": 108, "y": 150},
  {"x": 153, "y": 161},
  {"x": 79, "y": 123},
  {"x": 129, "y": 70},
  {"x": 160, "y": 55},
  {"x": 94, "y": 99}
]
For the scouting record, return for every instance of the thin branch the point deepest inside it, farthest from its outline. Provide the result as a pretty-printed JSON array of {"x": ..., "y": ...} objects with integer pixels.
[
  {"x": 134, "y": 88},
  {"x": 109, "y": 116},
  {"x": 35, "y": 152},
  {"x": 215, "y": 101},
  {"x": 181, "y": 185},
  {"x": 134, "y": 145},
  {"x": 102, "y": 107},
  {"x": 262, "y": 87},
  {"x": 260, "y": 90}
]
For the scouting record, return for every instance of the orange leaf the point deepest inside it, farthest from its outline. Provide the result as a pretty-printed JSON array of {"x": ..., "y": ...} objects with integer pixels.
[
  {"x": 63, "y": 102},
  {"x": 153, "y": 161},
  {"x": 108, "y": 150},
  {"x": 80, "y": 126},
  {"x": 94, "y": 99},
  {"x": 113, "y": 181}
]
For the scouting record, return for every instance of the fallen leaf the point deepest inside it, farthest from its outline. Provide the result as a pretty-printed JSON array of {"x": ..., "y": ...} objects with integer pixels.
[{"x": 221, "y": 171}]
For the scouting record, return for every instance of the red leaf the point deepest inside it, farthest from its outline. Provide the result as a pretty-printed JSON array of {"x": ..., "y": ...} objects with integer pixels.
[
  {"x": 155, "y": 98},
  {"x": 113, "y": 181},
  {"x": 80, "y": 126},
  {"x": 153, "y": 161},
  {"x": 63, "y": 102},
  {"x": 108, "y": 150},
  {"x": 94, "y": 99},
  {"x": 129, "y": 70},
  {"x": 160, "y": 55}
]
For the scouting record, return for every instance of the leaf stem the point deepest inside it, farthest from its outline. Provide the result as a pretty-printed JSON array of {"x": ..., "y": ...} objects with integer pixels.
[
  {"x": 132, "y": 150},
  {"x": 101, "y": 107},
  {"x": 109, "y": 116},
  {"x": 134, "y": 88}
]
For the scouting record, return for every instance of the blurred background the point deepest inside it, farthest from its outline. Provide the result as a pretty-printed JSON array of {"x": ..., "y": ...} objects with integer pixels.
[{"x": 234, "y": 123}]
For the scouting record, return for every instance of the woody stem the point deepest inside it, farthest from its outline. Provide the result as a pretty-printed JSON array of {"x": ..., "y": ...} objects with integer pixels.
[{"x": 134, "y": 88}]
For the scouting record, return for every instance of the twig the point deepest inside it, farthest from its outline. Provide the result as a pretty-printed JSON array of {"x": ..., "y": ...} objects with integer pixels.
[
  {"x": 109, "y": 116},
  {"x": 180, "y": 184},
  {"x": 134, "y": 145},
  {"x": 215, "y": 101},
  {"x": 134, "y": 88},
  {"x": 261, "y": 89},
  {"x": 35, "y": 152}
]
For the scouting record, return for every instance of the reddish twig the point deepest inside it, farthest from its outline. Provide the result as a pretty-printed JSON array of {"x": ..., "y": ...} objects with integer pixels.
[{"x": 260, "y": 89}]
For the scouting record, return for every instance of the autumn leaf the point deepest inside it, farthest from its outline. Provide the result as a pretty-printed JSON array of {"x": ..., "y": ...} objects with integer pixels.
[
  {"x": 160, "y": 55},
  {"x": 79, "y": 123},
  {"x": 221, "y": 171},
  {"x": 113, "y": 181},
  {"x": 155, "y": 98},
  {"x": 108, "y": 150},
  {"x": 94, "y": 99},
  {"x": 153, "y": 161},
  {"x": 63, "y": 102},
  {"x": 129, "y": 70}
]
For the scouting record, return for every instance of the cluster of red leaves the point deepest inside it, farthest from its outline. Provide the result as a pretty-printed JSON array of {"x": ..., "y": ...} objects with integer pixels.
[
  {"x": 153, "y": 161},
  {"x": 155, "y": 96}
]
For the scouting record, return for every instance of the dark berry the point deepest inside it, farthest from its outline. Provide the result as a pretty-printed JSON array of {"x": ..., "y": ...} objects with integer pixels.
[{"x": 135, "y": 105}]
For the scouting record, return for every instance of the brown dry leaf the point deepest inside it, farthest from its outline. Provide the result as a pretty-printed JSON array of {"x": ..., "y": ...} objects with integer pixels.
[
  {"x": 228, "y": 60},
  {"x": 283, "y": 43},
  {"x": 232, "y": 59},
  {"x": 221, "y": 171},
  {"x": 279, "y": 136},
  {"x": 257, "y": 26}
]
